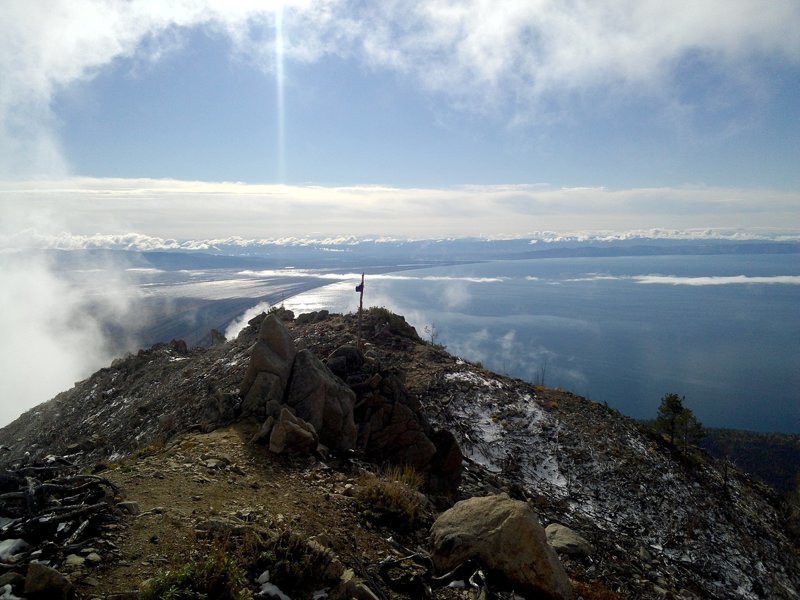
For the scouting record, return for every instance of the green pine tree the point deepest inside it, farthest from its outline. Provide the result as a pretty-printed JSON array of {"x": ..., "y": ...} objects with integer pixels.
[{"x": 678, "y": 422}]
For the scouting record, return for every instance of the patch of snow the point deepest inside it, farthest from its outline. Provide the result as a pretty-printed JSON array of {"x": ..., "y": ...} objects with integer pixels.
[
  {"x": 7, "y": 595},
  {"x": 473, "y": 378},
  {"x": 9, "y": 548},
  {"x": 270, "y": 590}
]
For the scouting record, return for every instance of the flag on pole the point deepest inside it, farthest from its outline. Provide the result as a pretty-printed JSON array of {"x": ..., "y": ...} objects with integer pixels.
[{"x": 360, "y": 290}]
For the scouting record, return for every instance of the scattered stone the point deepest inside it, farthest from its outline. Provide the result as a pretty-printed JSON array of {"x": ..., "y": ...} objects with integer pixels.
[
  {"x": 11, "y": 578},
  {"x": 506, "y": 537},
  {"x": 129, "y": 506},
  {"x": 73, "y": 560},
  {"x": 565, "y": 541}
]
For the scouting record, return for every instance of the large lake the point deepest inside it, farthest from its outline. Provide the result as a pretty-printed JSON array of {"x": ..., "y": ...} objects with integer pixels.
[{"x": 723, "y": 331}]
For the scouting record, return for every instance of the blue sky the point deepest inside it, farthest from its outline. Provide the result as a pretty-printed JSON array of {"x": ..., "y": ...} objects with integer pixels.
[{"x": 655, "y": 115}]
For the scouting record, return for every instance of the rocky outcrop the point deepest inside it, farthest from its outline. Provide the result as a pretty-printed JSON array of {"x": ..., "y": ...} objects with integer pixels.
[
  {"x": 392, "y": 428},
  {"x": 277, "y": 376},
  {"x": 312, "y": 317},
  {"x": 270, "y": 366},
  {"x": 506, "y": 537},
  {"x": 349, "y": 402},
  {"x": 320, "y": 398}
]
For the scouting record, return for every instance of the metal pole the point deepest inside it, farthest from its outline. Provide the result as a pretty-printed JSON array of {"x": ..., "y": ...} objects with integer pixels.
[{"x": 360, "y": 288}]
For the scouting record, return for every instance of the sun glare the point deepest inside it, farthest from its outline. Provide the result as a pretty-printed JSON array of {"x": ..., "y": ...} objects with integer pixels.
[{"x": 279, "y": 86}]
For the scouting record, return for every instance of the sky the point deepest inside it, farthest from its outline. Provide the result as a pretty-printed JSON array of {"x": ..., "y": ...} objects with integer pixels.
[{"x": 205, "y": 119}]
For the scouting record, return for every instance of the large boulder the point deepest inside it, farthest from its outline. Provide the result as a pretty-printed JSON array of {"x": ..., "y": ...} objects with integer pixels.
[
  {"x": 42, "y": 581},
  {"x": 506, "y": 537},
  {"x": 394, "y": 433},
  {"x": 319, "y": 397},
  {"x": 267, "y": 375}
]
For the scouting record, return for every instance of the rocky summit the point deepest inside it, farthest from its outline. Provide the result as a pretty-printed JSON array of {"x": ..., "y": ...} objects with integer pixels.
[{"x": 327, "y": 456}]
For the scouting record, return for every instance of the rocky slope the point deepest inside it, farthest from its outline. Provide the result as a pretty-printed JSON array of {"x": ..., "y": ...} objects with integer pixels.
[{"x": 171, "y": 429}]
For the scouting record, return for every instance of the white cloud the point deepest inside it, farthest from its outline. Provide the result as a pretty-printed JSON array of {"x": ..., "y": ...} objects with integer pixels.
[
  {"x": 103, "y": 212},
  {"x": 56, "y": 333},
  {"x": 240, "y": 322},
  {"x": 693, "y": 281},
  {"x": 717, "y": 280},
  {"x": 517, "y": 56}
]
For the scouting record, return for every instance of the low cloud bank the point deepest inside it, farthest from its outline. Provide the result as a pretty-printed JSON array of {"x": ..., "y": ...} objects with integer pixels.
[
  {"x": 55, "y": 332},
  {"x": 235, "y": 215}
]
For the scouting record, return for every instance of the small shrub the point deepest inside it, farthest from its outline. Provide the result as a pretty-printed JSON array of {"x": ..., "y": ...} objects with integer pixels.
[
  {"x": 395, "y": 323},
  {"x": 217, "y": 575},
  {"x": 295, "y": 564},
  {"x": 393, "y": 496}
]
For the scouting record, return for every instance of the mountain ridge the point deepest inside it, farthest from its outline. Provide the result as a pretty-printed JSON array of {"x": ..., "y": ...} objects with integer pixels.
[{"x": 661, "y": 524}]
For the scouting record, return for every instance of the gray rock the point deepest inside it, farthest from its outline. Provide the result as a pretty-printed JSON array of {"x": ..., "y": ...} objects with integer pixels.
[
  {"x": 129, "y": 506},
  {"x": 565, "y": 541},
  {"x": 396, "y": 435},
  {"x": 262, "y": 435},
  {"x": 267, "y": 388},
  {"x": 318, "y": 397},
  {"x": 73, "y": 560},
  {"x": 505, "y": 536},
  {"x": 312, "y": 317},
  {"x": 46, "y": 582},
  {"x": 11, "y": 578},
  {"x": 344, "y": 360},
  {"x": 292, "y": 435},
  {"x": 270, "y": 365}
]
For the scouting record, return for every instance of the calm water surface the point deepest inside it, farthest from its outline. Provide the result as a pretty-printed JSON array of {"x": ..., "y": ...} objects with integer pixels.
[{"x": 722, "y": 330}]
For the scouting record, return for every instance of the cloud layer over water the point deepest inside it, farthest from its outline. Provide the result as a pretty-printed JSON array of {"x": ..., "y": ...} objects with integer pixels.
[{"x": 104, "y": 212}]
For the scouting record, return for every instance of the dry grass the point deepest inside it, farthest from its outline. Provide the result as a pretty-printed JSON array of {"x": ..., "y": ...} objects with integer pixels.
[{"x": 393, "y": 495}]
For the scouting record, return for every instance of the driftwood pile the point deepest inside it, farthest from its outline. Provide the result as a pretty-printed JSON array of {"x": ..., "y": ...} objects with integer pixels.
[{"x": 49, "y": 510}]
